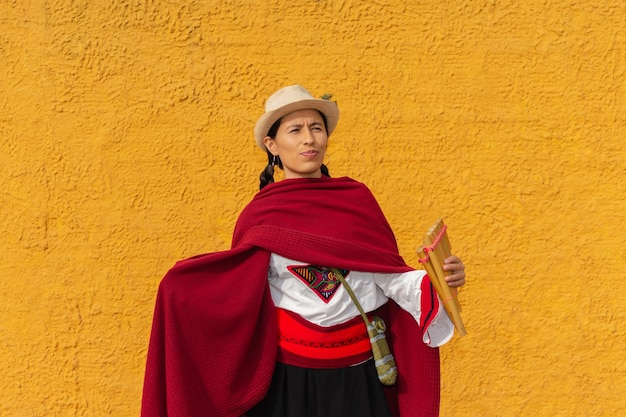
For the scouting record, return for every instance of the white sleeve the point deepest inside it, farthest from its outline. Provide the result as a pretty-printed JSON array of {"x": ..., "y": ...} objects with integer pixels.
[{"x": 414, "y": 293}]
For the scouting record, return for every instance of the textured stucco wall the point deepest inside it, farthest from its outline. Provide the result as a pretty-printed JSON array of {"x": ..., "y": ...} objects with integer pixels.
[{"x": 126, "y": 144}]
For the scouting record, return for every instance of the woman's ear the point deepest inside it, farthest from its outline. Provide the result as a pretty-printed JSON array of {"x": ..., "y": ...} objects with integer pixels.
[{"x": 270, "y": 144}]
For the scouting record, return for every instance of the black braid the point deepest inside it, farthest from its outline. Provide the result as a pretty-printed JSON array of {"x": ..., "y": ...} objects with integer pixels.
[{"x": 267, "y": 176}]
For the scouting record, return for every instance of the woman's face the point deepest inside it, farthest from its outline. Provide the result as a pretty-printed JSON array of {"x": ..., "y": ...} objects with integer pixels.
[{"x": 300, "y": 143}]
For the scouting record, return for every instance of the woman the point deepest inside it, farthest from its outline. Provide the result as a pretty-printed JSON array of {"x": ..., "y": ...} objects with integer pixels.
[{"x": 265, "y": 329}]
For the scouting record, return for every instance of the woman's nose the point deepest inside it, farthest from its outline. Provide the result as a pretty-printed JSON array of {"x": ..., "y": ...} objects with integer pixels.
[{"x": 308, "y": 136}]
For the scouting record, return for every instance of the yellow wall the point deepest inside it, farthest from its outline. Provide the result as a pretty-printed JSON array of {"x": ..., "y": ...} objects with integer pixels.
[{"x": 126, "y": 144}]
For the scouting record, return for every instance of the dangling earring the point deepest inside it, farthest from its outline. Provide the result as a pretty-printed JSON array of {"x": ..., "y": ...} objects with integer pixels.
[
  {"x": 326, "y": 158},
  {"x": 274, "y": 161}
]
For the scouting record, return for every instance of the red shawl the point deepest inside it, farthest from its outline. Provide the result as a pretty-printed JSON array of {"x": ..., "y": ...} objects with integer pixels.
[{"x": 214, "y": 337}]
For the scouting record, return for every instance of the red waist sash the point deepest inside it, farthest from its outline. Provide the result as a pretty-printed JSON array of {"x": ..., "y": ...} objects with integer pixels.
[{"x": 308, "y": 345}]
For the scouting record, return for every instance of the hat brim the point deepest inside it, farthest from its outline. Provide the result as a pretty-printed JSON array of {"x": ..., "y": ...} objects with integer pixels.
[{"x": 328, "y": 108}]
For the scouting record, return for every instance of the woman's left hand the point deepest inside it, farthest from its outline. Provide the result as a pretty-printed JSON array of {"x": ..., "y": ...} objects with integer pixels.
[{"x": 454, "y": 265}]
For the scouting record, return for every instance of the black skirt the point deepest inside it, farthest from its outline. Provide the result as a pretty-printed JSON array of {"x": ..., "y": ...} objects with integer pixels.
[{"x": 343, "y": 392}]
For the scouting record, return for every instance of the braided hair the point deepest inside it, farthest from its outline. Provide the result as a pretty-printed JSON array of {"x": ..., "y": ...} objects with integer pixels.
[{"x": 267, "y": 175}]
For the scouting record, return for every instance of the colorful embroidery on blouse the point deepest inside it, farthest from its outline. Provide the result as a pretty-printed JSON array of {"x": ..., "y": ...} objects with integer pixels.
[{"x": 320, "y": 279}]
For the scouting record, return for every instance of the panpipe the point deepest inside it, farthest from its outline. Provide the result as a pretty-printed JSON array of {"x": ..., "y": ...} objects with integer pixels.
[{"x": 432, "y": 253}]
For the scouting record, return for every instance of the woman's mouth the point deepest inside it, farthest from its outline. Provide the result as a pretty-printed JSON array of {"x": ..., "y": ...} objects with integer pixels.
[{"x": 310, "y": 154}]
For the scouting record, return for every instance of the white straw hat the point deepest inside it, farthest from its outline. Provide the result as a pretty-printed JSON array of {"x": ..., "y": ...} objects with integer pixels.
[{"x": 290, "y": 99}]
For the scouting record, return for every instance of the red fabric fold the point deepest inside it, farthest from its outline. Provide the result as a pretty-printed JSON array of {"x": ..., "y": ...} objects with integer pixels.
[
  {"x": 214, "y": 337},
  {"x": 213, "y": 342}
]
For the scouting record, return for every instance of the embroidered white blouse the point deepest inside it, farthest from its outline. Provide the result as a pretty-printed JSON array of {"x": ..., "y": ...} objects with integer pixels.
[{"x": 305, "y": 290}]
